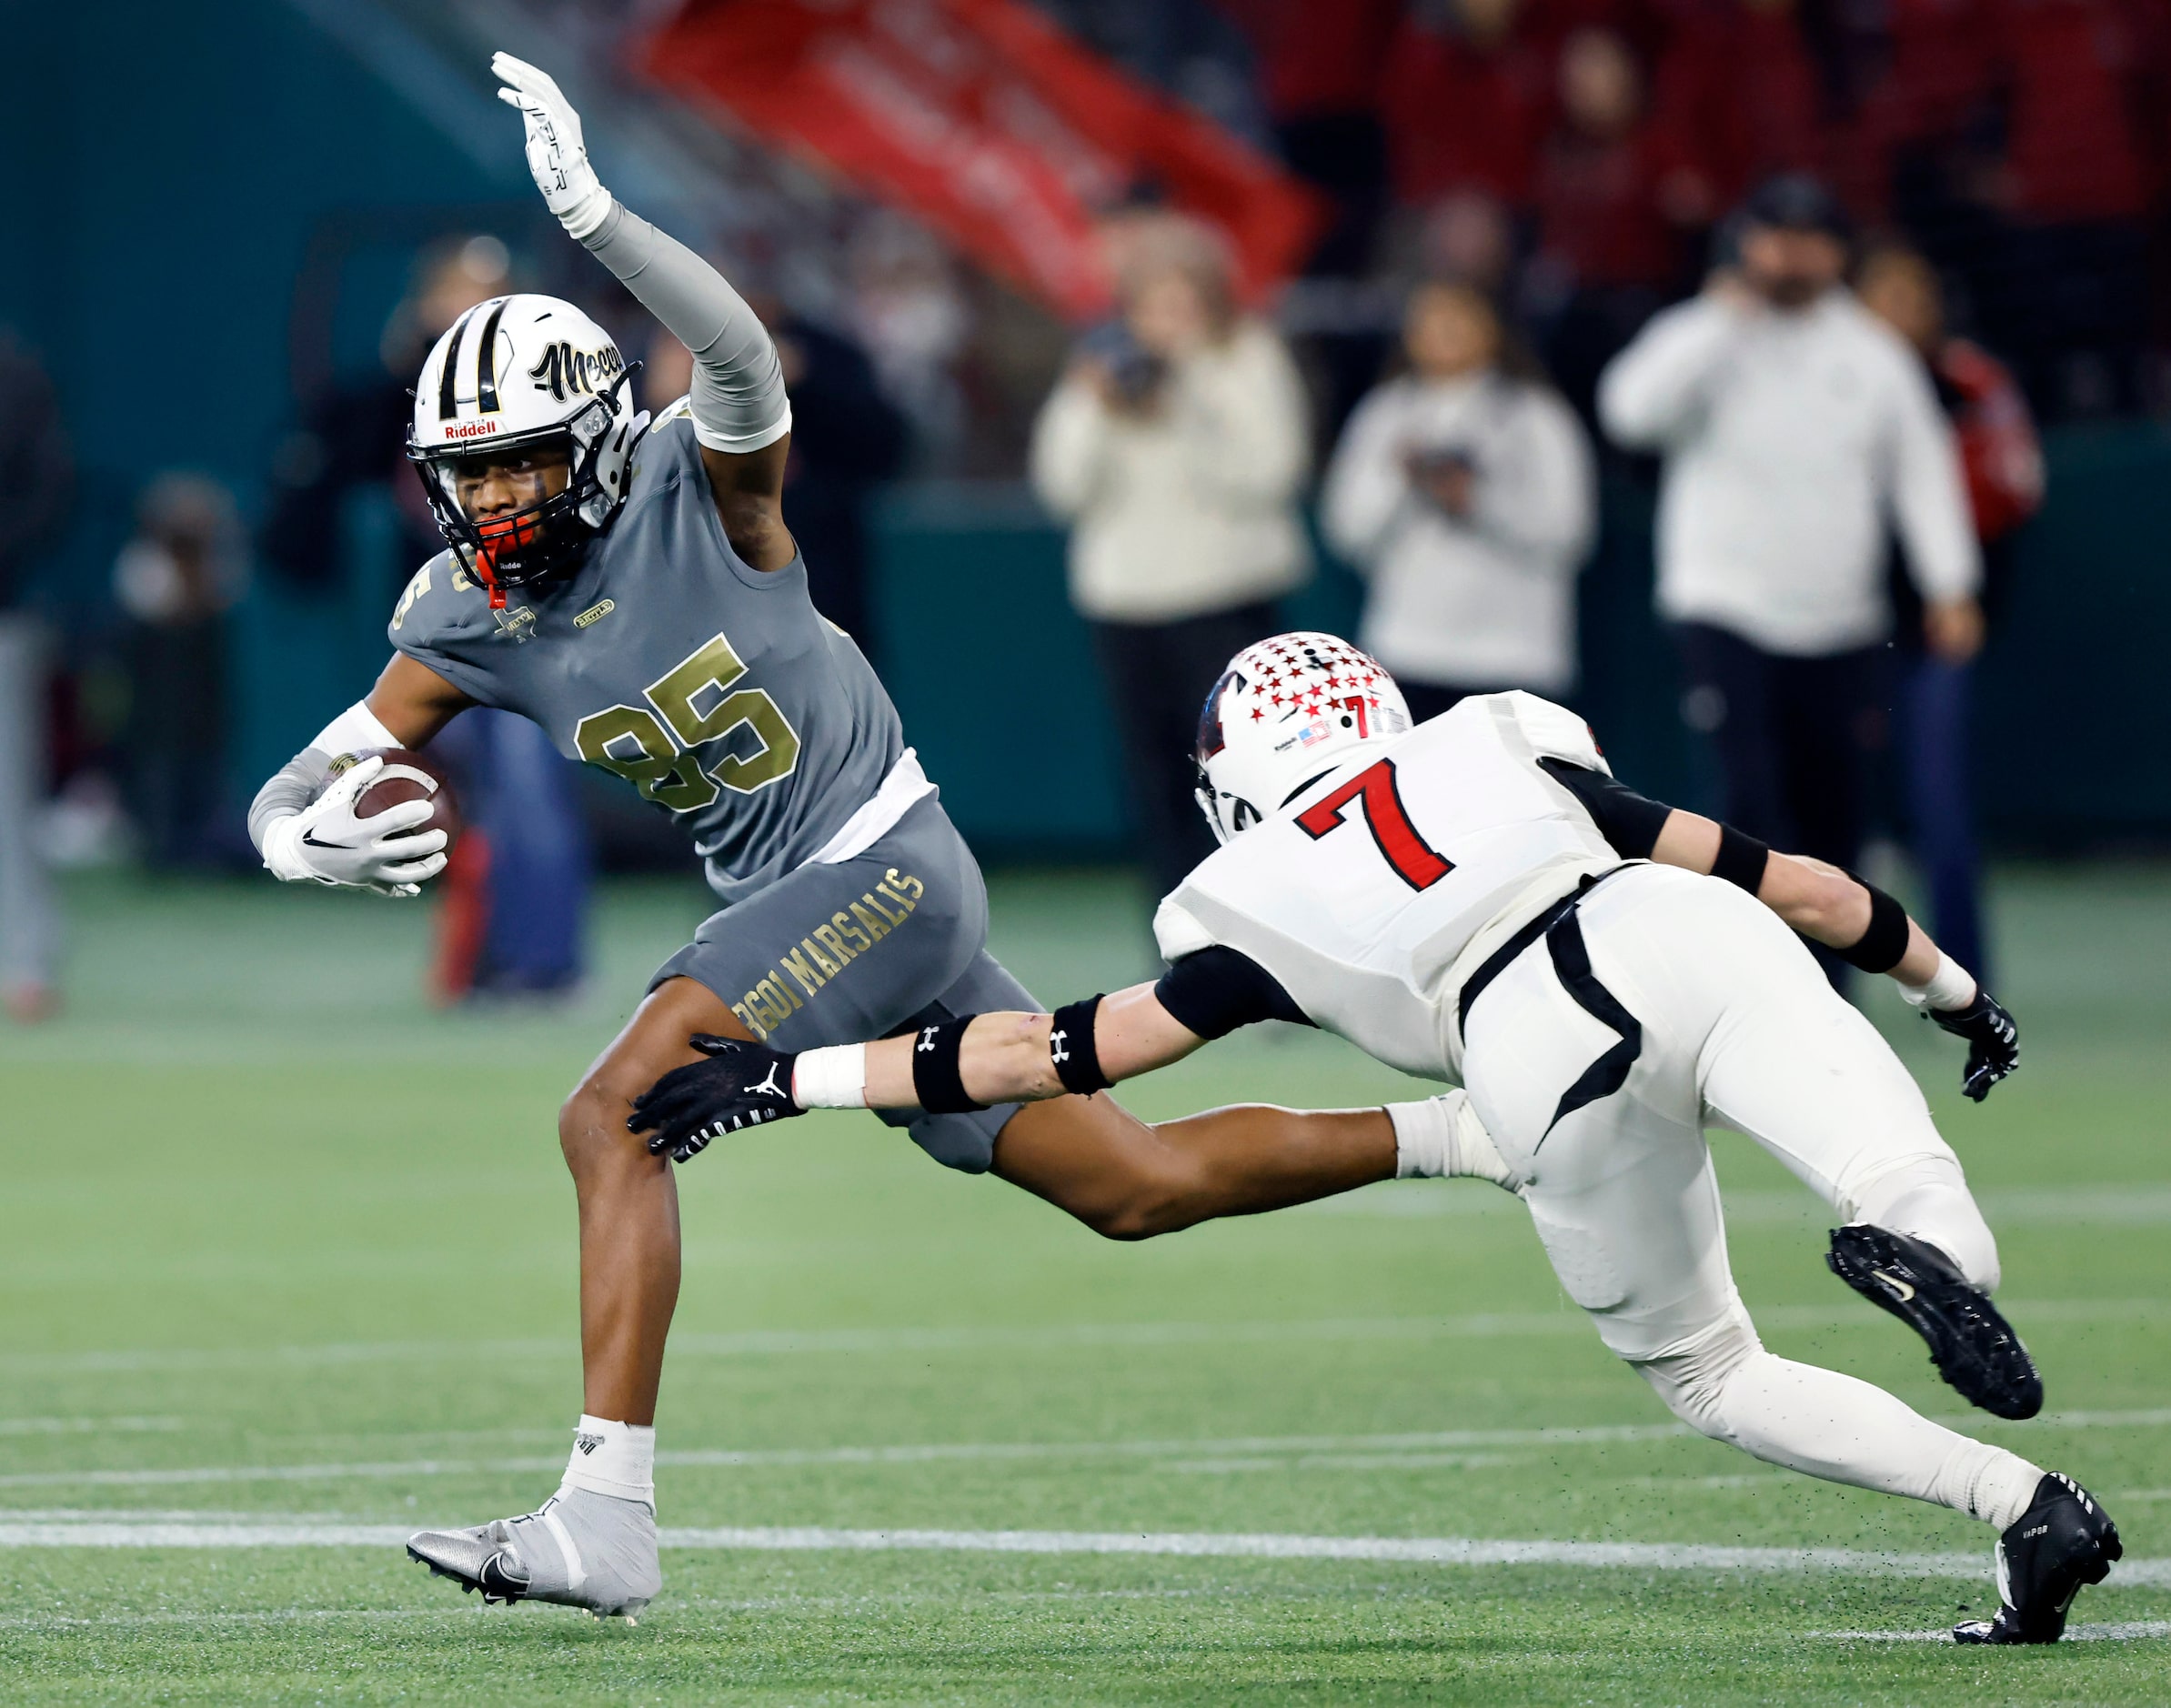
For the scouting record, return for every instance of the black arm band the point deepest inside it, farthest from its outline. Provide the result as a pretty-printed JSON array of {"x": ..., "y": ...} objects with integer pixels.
[
  {"x": 1218, "y": 989},
  {"x": 1742, "y": 858},
  {"x": 936, "y": 1080},
  {"x": 1071, "y": 1048},
  {"x": 1629, "y": 822},
  {"x": 1885, "y": 944}
]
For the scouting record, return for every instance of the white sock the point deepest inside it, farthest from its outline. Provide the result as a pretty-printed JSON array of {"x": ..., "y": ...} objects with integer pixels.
[
  {"x": 1442, "y": 1138},
  {"x": 1836, "y": 1427},
  {"x": 614, "y": 1458}
]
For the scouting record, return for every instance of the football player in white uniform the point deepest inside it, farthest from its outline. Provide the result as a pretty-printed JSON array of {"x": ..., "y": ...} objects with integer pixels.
[{"x": 1478, "y": 901}]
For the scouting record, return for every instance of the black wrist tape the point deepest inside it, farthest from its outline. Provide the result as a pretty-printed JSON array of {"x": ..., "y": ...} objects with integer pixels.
[
  {"x": 1885, "y": 944},
  {"x": 1071, "y": 1048},
  {"x": 1742, "y": 858},
  {"x": 937, "y": 1081}
]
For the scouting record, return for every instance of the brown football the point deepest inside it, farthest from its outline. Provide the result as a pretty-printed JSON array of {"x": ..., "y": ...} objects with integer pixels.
[{"x": 406, "y": 776}]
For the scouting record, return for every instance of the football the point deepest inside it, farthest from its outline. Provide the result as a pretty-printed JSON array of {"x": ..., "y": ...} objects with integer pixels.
[{"x": 406, "y": 776}]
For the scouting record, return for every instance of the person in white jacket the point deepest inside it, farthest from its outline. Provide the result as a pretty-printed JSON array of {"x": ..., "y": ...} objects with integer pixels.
[
  {"x": 1465, "y": 496},
  {"x": 1175, "y": 447},
  {"x": 1796, "y": 430}
]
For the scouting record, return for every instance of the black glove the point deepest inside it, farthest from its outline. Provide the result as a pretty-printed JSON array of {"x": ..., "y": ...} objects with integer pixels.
[
  {"x": 1993, "y": 1040},
  {"x": 740, "y": 1085}
]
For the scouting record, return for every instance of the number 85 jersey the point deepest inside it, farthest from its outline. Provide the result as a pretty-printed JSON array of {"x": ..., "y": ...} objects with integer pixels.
[
  {"x": 1379, "y": 888},
  {"x": 714, "y": 688}
]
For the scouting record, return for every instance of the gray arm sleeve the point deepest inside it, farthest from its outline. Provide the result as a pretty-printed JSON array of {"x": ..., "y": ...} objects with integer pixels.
[
  {"x": 290, "y": 790},
  {"x": 739, "y": 402}
]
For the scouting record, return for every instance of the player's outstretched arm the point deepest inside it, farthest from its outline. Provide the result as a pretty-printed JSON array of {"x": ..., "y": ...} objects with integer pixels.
[
  {"x": 306, "y": 837},
  {"x": 1863, "y": 925},
  {"x": 1866, "y": 926},
  {"x": 968, "y": 1063},
  {"x": 740, "y": 411}
]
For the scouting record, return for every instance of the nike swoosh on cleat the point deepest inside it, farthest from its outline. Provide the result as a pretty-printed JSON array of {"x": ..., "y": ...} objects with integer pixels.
[{"x": 1901, "y": 1290}]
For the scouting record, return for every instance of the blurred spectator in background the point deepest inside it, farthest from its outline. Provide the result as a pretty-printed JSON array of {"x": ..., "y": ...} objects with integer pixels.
[
  {"x": 1463, "y": 492},
  {"x": 37, "y": 475},
  {"x": 1616, "y": 191},
  {"x": 2082, "y": 173},
  {"x": 2004, "y": 467},
  {"x": 356, "y": 435},
  {"x": 909, "y": 311},
  {"x": 847, "y": 438},
  {"x": 1175, "y": 446},
  {"x": 1465, "y": 93},
  {"x": 1319, "y": 70},
  {"x": 1792, "y": 422},
  {"x": 175, "y": 581},
  {"x": 513, "y": 901}
]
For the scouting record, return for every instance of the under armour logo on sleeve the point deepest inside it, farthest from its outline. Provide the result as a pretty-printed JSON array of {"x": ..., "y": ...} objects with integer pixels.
[
  {"x": 1056, "y": 1052},
  {"x": 927, "y": 1037}
]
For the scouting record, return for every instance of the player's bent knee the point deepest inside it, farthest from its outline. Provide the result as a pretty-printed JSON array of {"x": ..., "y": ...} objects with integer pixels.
[
  {"x": 1692, "y": 1381},
  {"x": 593, "y": 1137},
  {"x": 1928, "y": 1199}
]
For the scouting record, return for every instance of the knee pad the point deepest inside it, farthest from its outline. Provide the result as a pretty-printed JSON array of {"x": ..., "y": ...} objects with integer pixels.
[
  {"x": 1692, "y": 1381},
  {"x": 1928, "y": 1199}
]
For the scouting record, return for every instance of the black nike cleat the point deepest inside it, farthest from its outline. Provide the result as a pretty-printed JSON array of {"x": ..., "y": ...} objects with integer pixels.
[
  {"x": 2060, "y": 1542},
  {"x": 1972, "y": 1344}
]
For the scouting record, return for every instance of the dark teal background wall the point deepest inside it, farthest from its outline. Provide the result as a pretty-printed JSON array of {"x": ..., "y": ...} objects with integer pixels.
[{"x": 993, "y": 672}]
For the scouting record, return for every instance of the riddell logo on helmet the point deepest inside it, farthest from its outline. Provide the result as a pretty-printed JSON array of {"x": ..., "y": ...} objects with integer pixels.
[
  {"x": 469, "y": 429},
  {"x": 564, "y": 371}
]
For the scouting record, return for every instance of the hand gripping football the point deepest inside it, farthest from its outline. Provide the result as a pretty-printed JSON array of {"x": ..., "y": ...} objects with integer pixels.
[{"x": 406, "y": 776}]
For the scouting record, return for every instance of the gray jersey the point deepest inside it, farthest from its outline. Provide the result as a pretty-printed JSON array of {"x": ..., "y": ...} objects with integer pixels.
[{"x": 714, "y": 688}]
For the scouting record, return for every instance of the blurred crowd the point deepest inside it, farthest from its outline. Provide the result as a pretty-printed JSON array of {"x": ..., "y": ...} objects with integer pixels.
[{"x": 1814, "y": 268}]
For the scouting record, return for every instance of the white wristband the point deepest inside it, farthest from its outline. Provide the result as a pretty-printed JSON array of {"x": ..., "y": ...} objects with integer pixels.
[
  {"x": 830, "y": 1078},
  {"x": 1952, "y": 986},
  {"x": 352, "y": 730}
]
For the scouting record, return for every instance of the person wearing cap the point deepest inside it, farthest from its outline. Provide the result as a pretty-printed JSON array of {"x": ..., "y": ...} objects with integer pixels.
[{"x": 1795, "y": 427}]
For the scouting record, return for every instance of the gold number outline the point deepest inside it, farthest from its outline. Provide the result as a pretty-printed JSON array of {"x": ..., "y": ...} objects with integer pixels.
[{"x": 716, "y": 664}]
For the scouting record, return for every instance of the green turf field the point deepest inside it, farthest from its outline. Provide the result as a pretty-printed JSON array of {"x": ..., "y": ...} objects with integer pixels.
[{"x": 286, "y": 1270}]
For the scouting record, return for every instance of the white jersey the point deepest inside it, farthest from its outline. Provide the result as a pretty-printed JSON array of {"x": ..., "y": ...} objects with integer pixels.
[{"x": 1375, "y": 893}]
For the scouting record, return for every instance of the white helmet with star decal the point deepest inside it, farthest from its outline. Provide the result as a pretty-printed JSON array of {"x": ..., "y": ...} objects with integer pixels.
[{"x": 1285, "y": 713}]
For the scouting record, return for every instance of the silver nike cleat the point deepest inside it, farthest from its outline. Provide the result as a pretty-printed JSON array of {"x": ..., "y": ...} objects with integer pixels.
[{"x": 579, "y": 1549}]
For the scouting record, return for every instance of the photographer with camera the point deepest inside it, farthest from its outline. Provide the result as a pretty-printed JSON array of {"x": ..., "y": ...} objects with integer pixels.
[
  {"x": 1463, "y": 491},
  {"x": 1174, "y": 447}
]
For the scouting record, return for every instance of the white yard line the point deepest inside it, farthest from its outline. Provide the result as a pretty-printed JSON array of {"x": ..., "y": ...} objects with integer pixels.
[
  {"x": 1839, "y": 1312},
  {"x": 299, "y": 1530},
  {"x": 1414, "y": 1452},
  {"x": 2121, "y": 1630}
]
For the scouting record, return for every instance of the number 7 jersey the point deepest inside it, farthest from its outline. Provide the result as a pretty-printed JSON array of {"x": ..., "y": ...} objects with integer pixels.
[{"x": 1374, "y": 893}]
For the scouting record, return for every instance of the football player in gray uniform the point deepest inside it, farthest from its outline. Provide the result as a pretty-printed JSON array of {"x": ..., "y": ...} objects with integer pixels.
[{"x": 633, "y": 587}]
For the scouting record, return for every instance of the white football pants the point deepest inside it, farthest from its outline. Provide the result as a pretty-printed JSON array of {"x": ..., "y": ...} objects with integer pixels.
[{"x": 1740, "y": 1028}]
